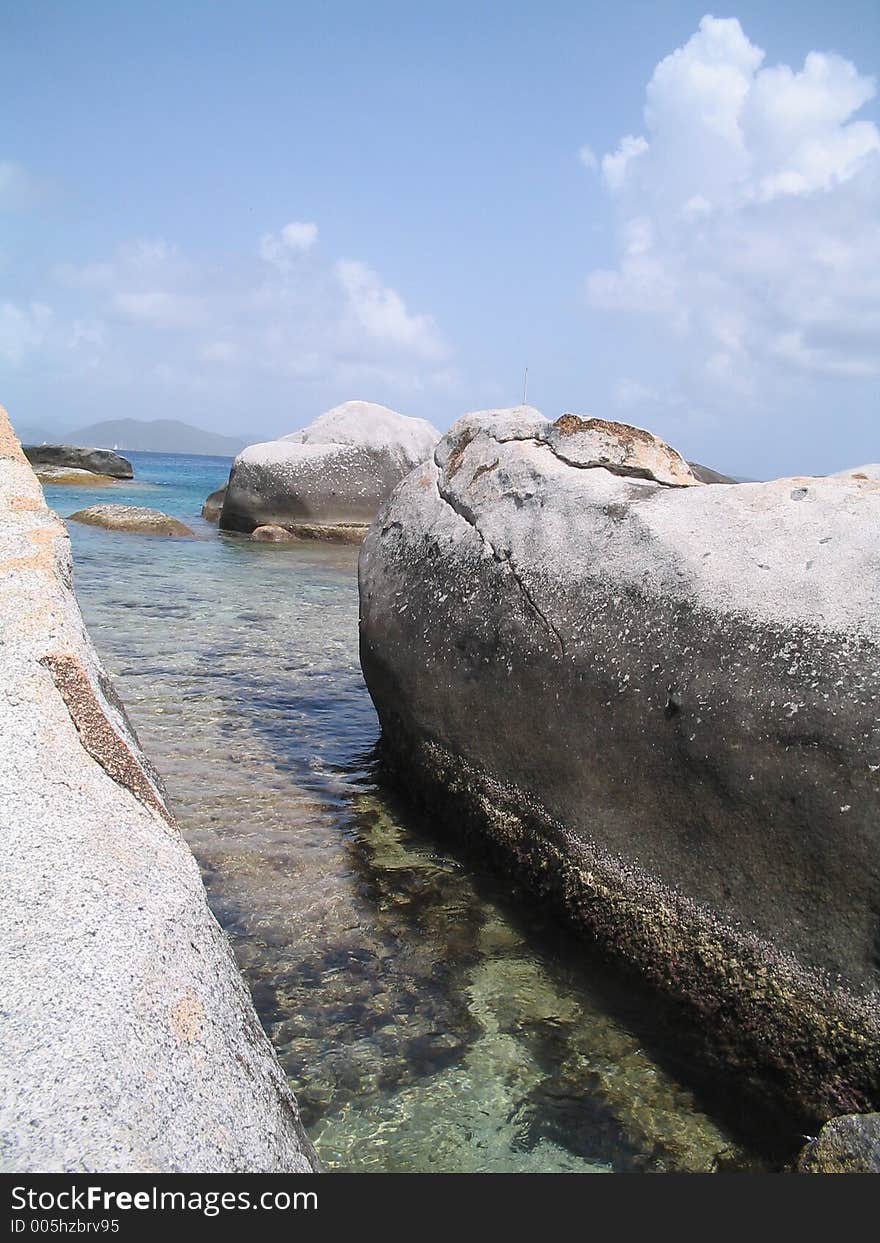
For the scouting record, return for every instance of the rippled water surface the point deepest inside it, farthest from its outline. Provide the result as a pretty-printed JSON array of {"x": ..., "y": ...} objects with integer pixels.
[{"x": 429, "y": 1019}]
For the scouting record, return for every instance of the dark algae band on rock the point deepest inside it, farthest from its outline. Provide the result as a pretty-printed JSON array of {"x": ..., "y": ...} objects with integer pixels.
[
  {"x": 658, "y": 700},
  {"x": 130, "y": 1041}
]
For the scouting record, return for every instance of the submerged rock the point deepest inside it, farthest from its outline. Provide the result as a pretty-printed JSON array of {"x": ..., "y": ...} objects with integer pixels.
[
  {"x": 335, "y": 472},
  {"x": 849, "y": 1145},
  {"x": 213, "y": 505},
  {"x": 72, "y": 477},
  {"x": 99, "y": 461},
  {"x": 130, "y": 1041},
  {"x": 132, "y": 518},
  {"x": 659, "y": 699},
  {"x": 272, "y": 535}
]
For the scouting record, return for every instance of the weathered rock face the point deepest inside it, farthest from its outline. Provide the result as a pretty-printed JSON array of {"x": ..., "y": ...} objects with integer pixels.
[
  {"x": 849, "y": 1145},
  {"x": 213, "y": 505},
  {"x": 659, "y": 699},
  {"x": 100, "y": 461},
  {"x": 71, "y": 476},
  {"x": 132, "y": 518},
  {"x": 129, "y": 1039},
  {"x": 336, "y": 472}
]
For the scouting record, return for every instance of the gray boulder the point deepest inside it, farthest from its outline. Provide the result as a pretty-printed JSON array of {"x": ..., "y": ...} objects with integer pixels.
[
  {"x": 130, "y": 1043},
  {"x": 100, "y": 461},
  {"x": 213, "y": 505},
  {"x": 335, "y": 472},
  {"x": 135, "y": 518},
  {"x": 659, "y": 700},
  {"x": 849, "y": 1145}
]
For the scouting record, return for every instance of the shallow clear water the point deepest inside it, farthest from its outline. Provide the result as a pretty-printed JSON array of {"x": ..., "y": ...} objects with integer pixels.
[{"x": 429, "y": 1017}]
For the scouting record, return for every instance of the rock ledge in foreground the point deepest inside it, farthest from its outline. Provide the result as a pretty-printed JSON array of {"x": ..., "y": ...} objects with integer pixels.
[{"x": 130, "y": 1042}]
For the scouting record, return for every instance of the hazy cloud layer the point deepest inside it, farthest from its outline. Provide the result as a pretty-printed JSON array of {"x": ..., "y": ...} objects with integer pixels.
[
  {"x": 748, "y": 220},
  {"x": 152, "y": 322}
]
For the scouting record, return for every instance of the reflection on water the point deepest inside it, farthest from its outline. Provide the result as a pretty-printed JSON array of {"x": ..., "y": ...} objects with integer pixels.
[{"x": 427, "y": 1019}]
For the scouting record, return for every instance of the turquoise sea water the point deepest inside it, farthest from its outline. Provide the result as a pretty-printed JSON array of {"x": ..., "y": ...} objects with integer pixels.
[{"x": 429, "y": 1017}]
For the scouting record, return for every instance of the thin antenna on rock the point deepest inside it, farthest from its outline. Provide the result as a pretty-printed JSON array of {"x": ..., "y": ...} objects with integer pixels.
[{"x": 525, "y": 386}]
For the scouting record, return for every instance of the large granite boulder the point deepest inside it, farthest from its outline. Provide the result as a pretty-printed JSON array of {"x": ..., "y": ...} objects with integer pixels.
[
  {"x": 335, "y": 472},
  {"x": 135, "y": 518},
  {"x": 99, "y": 461},
  {"x": 659, "y": 700},
  {"x": 130, "y": 1042}
]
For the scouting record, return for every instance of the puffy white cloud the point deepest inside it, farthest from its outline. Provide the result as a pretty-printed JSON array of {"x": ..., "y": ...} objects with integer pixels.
[
  {"x": 382, "y": 313},
  {"x": 281, "y": 249},
  {"x": 749, "y": 215},
  {"x": 616, "y": 163}
]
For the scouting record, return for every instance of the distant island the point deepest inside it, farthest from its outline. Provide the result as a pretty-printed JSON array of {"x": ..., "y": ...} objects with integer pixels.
[{"x": 153, "y": 436}]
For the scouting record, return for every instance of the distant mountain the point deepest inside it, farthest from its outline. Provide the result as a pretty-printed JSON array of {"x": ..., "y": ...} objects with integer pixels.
[
  {"x": 36, "y": 435},
  {"x": 155, "y": 436}
]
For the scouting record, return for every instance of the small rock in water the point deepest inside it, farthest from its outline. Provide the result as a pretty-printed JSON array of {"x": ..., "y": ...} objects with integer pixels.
[
  {"x": 132, "y": 518},
  {"x": 271, "y": 534}
]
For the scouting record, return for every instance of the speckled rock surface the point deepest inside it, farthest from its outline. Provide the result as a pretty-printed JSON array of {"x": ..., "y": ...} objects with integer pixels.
[
  {"x": 659, "y": 701},
  {"x": 337, "y": 471},
  {"x": 849, "y": 1145},
  {"x": 101, "y": 461},
  {"x": 130, "y": 1042},
  {"x": 132, "y": 518}
]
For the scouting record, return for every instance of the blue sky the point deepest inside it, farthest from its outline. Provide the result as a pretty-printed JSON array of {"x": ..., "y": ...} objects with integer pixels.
[{"x": 241, "y": 214}]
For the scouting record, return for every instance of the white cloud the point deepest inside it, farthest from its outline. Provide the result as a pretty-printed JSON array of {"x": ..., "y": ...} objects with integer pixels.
[
  {"x": 200, "y": 331},
  {"x": 156, "y": 306},
  {"x": 18, "y": 189},
  {"x": 281, "y": 249},
  {"x": 382, "y": 313},
  {"x": 587, "y": 157},
  {"x": 749, "y": 215},
  {"x": 615, "y": 164},
  {"x": 22, "y": 329}
]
